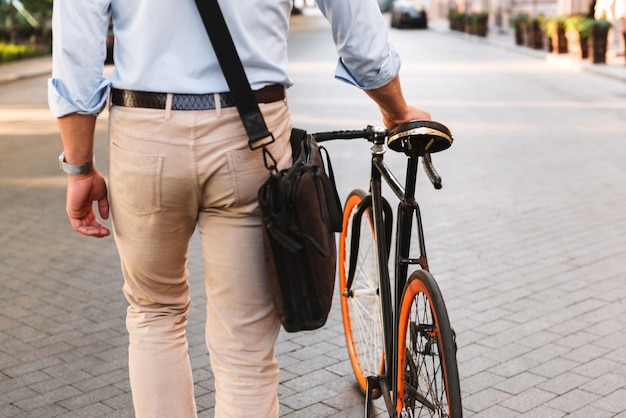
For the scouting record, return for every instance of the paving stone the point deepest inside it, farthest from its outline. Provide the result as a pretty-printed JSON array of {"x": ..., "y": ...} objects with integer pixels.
[
  {"x": 591, "y": 412},
  {"x": 310, "y": 380},
  {"x": 543, "y": 412},
  {"x": 615, "y": 402},
  {"x": 564, "y": 383},
  {"x": 480, "y": 381},
  {"x": 572, "y": 400},
  {"x": 311, "y": 396},
  {"x": 48, "y": 398},
  {"x": 528, "y": 400},
  {"x": 554, "y": 367},
  {"x": 311, "y": 365},
  {"x": 605, "y": 384},
  {"x": 45, "y": 412},
  {"x": 484, "y": 399},
  {"x": 496, "y": 412},
  {"x": 93, "y": 410},
  {"x": 94, "y": 397},
  {"x": 9, "y": 411},
  {"x": 520, "y": 383},
  {"x": 315, "y": 410}
]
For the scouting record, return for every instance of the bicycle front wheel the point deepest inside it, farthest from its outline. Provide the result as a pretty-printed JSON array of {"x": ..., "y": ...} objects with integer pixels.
[
  {"x": 428, "y": 377},
  {"x": 360, "y": 299}
]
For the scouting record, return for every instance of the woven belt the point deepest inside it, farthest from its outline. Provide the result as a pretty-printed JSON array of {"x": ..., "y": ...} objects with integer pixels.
[{"x": 131, "y": 98}]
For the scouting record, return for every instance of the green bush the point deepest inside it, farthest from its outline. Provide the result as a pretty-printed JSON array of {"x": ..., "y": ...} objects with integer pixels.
[
  {"x": 550, "y": 25},
  {"x": 456, "y": 20},
  {"x": 581, "y": 24},
  {"x": 12, "y": 52},
  {"x": 519, "y": 20}
]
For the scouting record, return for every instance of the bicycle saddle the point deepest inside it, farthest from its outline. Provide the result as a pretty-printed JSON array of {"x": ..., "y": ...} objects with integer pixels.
[{"x": 419, "y": 137}]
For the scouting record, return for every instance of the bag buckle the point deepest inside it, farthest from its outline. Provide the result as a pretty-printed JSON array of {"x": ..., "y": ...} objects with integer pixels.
[
  {"x": 268, "y": 159},
  {"x": 257, "y": 130},
  {"x": 256, "y": 143}
]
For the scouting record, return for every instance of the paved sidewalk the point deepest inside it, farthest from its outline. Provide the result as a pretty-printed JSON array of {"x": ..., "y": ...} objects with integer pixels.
[
  {"x": 33, "y": 67},
  {"x": 615, "y": 66},
  {"x": 527, "y": 240}
]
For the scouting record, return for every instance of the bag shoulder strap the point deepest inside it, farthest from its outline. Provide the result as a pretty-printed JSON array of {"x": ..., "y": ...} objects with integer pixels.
[{"x": 233, "y": 71}]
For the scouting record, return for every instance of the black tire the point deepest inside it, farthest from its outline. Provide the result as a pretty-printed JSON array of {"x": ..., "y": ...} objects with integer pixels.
[
  {"x": 109, "y": 56},
  {"x": 360, "y": 301},
  {"x": 428, "y": 376}
]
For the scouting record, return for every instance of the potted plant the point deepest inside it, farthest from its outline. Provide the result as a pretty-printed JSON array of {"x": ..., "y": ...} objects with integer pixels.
[
  {"x": 599, "y": 37},
  {"x": 555, "y": 32},
  {"x": 480, "y": 23},
  {"x": 578, "y": 33},
  {"x": 519, "y": 22},
  {"x": 534, "y": 32},
  {"x": 456, "y": 20}
]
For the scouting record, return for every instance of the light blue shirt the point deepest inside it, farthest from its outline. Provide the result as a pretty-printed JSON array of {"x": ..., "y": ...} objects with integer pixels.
[{"x": 162, "y": 46}]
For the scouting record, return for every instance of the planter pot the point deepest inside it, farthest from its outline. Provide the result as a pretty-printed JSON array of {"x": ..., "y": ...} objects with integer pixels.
[
  {"x": 598, "y": 43},
  {"x": 457, "y": 22},
  {"x": 481, "y": 25},
  {"x": 584, "y": 48},
  {"x": 577, "y": 46},
  {"x": 481, "y": 29},
  {"x": 534, "y": 35},
  {"x": 468, "y": 24},
  {"x": 624, "y": 35},
  {"x": 559, "y": 41},
  {"x": 519, "y": 35}
]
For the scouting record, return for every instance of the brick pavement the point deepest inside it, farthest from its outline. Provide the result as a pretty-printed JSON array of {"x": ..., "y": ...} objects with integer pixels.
[{"x": 527, "y": 240}]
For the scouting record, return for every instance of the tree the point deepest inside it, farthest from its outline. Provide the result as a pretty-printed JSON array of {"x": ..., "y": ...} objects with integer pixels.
[
  {"x": 41, "y": 8},
  {"x": 36, "y": 12},
  {"x": 42, "y": 11}
]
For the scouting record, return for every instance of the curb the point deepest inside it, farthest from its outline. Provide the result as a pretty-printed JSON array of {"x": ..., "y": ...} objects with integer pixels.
[{"x": 25, "y": 69}]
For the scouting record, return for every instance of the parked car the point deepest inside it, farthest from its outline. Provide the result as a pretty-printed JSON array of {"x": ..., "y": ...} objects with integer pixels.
[
  {"x": 110, "y": 41},
  {"x": 385, "y": 5},
  {"x": 408, "y": 14}
]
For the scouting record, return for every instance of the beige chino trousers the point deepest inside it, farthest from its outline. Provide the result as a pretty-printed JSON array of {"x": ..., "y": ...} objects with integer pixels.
[{"x": 170, "y": 172}]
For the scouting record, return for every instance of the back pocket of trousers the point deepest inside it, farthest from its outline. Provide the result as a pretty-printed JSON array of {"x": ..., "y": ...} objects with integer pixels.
[{"x": 135, "y": 180}]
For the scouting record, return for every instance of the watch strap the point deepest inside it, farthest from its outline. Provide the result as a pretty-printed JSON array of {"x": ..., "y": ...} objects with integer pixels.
[{"x": 73, "y": 168}]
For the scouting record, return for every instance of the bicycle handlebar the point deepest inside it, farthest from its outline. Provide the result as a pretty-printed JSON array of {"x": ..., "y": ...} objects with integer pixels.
[
  {"x": 367, "y": 133},
  {"x": 432, "y": 174},
  {"x": 370, "y": 133}
]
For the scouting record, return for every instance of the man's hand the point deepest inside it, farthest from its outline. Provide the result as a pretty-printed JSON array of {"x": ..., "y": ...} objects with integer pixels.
[
  {"x": 393, "y": 107},
  {"x": 82, "y": 191},
  {"x": 411, "y": 113}
]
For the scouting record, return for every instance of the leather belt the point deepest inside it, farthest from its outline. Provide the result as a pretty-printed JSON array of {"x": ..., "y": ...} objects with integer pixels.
[{"x": 132, "y": 98}]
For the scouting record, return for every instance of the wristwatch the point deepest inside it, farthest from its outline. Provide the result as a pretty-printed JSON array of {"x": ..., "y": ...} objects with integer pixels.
[{"x": 75, "y": 169}]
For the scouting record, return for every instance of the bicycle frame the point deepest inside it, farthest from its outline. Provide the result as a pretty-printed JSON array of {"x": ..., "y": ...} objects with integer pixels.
[{"x": 407, "y": 208}]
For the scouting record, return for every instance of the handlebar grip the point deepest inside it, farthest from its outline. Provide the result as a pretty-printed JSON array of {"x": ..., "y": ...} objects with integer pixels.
[
  {"x": 432, "y": 174},
  {"x": 352, "y": 134}
]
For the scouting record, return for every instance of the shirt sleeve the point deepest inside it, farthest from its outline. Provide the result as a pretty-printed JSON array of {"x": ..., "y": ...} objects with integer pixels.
[
  {"x": 366, "y": 58},
  {"x": 77, "y": 84}
]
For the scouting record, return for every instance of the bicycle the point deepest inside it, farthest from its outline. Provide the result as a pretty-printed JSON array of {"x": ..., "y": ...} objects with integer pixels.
[{"x": 421, "y": 377}]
